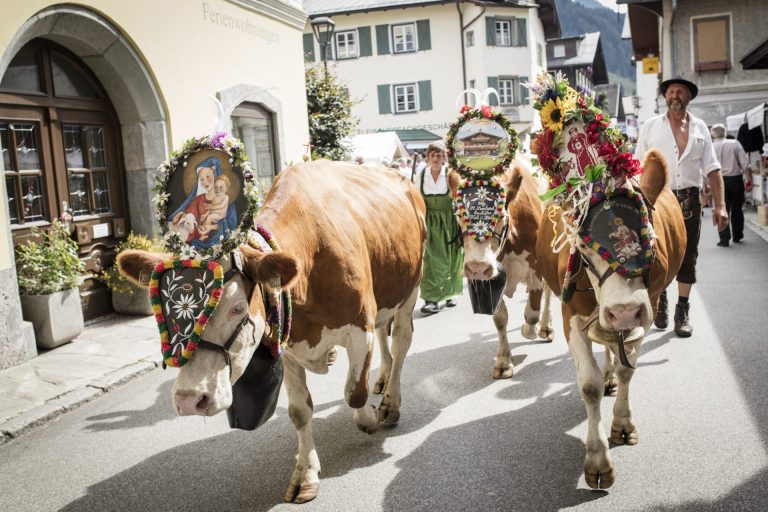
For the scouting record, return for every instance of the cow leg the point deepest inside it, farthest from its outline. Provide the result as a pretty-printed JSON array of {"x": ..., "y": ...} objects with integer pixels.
[
  {"x": 598, "y": 465},
  {"x": 305, "y": 480},
  {"x": 546, "y": 331},
  {"x": 532, "y": 306},
  {"x": 609, "y": 372},
  {"x": 359, "y": 352},
  {"x": 503, "y": 367},
  {"x": 623, "y": 429},
  {"x": 402, "y": 334},
  {"x": 382, "y": 377}
]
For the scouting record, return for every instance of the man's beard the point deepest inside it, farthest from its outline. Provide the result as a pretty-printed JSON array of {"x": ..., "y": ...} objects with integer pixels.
[{"x": 676, "y": 106}]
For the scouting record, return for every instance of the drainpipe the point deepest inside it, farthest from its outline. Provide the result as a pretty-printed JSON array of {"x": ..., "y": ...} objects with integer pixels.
[
  {"x": 672, "y": 39},
  {"x": 462, "y": 28}
]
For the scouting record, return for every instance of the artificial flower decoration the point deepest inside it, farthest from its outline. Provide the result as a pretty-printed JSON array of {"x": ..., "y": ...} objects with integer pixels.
[{"x": 552, "y": 115}]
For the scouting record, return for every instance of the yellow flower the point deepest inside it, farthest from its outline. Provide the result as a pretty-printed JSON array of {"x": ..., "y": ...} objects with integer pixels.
[
  {"x": 569, "y": 102},
  {"x": 552, "y": 115}
]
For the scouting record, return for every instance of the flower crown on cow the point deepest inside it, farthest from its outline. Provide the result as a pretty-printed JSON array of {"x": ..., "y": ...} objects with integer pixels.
[
  {"x": 206, "y": 199},
  {"x": 480, "y": 145},
  {"x": 588, "y": 165}
]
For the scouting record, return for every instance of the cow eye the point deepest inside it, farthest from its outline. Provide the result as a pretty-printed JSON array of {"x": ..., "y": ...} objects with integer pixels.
[{"x": 238, "y": 309}]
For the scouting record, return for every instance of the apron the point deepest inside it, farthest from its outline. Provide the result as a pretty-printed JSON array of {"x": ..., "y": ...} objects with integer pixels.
[{"x": 443, "y": 261}]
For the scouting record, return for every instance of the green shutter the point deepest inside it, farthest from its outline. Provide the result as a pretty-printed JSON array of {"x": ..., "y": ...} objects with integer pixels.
[
  {"x": 490, "y": 31},
  {"x": 522, "y": 35},
  {"x": 425, "y": 95},
  {"x": 385, "y": 102},
  {"x": 493, "y": 81},
  {"x": 422, "y": 32},
  {"x": 523, "y": 90},
  {"x": 382, "y": 39},
  {"x": 309, "y": 48},
  {"x": 366, "y": 49}
]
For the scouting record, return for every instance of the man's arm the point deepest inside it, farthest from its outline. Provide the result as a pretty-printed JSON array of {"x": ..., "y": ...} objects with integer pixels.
[{"x": 719, "y": 214}]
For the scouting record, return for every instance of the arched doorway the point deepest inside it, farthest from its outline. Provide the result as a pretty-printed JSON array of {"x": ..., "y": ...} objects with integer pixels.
[{"x": 60, "y": 141}]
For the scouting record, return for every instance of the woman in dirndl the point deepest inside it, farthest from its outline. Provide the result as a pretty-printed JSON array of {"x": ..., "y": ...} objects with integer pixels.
[{"x": 443, "y": 257}]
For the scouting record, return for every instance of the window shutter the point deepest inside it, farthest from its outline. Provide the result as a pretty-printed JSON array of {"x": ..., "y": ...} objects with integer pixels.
[
  {"x": 382, "y": 39},
  {"x": 522, "y": 35},
  {"x": 309, "y": 48},
  {"x": 425, "y": 95},
  {"x": 493, "y": 81},
  {"x": 422, "y": 32},
  {"x": 364, "y": 33},
  {"x": 385, "y": 102},
  {"x": 490, "y": 31},
  {"x": 523, "y": 90}
]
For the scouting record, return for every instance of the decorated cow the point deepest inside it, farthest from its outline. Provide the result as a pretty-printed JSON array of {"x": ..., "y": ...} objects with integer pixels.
[
  {"x": 498, "y": 213},
  {"x": 331, "y": 258},
  {"x": 610, "y": 246}
]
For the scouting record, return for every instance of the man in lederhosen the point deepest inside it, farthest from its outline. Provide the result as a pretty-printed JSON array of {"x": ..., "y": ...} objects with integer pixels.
[{"x": 686, "y": 144}]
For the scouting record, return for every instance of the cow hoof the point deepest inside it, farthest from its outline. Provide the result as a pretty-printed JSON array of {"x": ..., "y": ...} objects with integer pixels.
[
  {"x": 529, "y": 331},
  {"x": 306, "y": 492},
  {"x": 623, "y": 436},
  {"x": 547, "y": 334},
  {"x": 388, "y": 414},
  {"x": 504, "y": 372},
  {"x": 331, "y": 356},
  {"x": 599, "y": 476},
  {"x": 380, "y": 386},
  {"x": 367, "y": 419},
  {"x": 611, "y": 387}
]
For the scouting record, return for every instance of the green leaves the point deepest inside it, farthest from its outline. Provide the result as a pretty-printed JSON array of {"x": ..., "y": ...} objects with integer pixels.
[
  {"x": 330, "y": 115},
  {"x": 49, "y": 265},
  {"x": 553, "y": 192}
]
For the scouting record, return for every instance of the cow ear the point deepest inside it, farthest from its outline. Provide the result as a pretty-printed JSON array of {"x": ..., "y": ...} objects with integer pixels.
[
  {"x": 266, "y": 268},
  {"x": 138, "y": 265},
  {"x": 453, "y": 181},
  {"x": 654, "y": 177}
]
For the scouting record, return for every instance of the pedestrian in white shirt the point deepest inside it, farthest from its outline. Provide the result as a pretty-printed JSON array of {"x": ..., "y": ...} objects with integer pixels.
[
  {"x": 733, "y": 162},
  {"x": 687, "y": 146}
]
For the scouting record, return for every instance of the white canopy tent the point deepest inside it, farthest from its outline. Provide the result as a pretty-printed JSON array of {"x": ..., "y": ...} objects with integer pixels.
[{"x": 376, "y": 147}]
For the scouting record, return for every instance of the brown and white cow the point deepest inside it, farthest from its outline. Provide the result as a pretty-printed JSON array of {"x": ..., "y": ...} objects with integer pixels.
[
  {"x": 618, "y": 304},
  {"x": 517, "y": 255},
  {"x": 351, "y": 242}
]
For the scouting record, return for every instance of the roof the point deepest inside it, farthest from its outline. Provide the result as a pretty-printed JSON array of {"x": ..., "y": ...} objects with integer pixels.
[
  {"x": 330, "y": 7},
  {"x": 413, "y": 135},
  {"x": 613, "y": 104},
  {"x": 757, "y": 58},
  {"x": 585, "y": 55}
]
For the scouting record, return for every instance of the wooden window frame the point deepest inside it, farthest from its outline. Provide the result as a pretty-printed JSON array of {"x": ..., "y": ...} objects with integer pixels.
[
  {"x": 415, "y": 37},
  {"x": 469, "y": 38},
  {"x": 499, "y": 24},
  {"x": 513, "y": 85},
  {"x": 414, "y": 87},
  {"x": 355, "y": 41},
  {"x": 720, "y": 65}
]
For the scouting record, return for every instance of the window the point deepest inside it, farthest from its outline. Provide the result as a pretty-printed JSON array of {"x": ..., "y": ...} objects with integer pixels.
[
  {"x": 469, "y": 38},
  {"x": 85, "y": 159},
  {"x": 507, "y": 91},
  {"x": 405, "y": 98},
  {"x": 471, "y": 84},
  {"x": 254, "y": 125},
  {"x": 558, "y": 51},
  {"x": 539, "y": 55},
  {"x": 503, "y": 33},
  {"x": 404, "y": 38},
  {"x": 712, "y": 43},
  {"x": 346, "y": 45}
]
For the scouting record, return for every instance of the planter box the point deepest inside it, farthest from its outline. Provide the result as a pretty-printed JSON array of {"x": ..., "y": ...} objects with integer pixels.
[
  {"x": 134, "y": 302},
  {"x": 57, "y": 318}
]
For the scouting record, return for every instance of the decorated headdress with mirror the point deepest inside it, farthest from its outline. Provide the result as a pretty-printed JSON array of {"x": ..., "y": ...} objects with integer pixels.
[
  {"x": 206, "y": 199},
  {"x": 480, "y": 145},
  {"x": 588, "y": 164}
]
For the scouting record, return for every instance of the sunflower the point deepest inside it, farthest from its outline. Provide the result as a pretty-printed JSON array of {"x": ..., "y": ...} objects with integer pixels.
[{"x": 552, "y": 115}]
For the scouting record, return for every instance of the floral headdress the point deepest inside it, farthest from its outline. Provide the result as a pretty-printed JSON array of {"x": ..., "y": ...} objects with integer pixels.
[{"x": 586, "y": 162}]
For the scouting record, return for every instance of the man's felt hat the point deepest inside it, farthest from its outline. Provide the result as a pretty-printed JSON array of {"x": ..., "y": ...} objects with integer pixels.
[{"x": 679, "y": 80}]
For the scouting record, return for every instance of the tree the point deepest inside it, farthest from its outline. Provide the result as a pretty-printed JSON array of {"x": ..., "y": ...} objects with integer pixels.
[{"x": 330, "y": 115}]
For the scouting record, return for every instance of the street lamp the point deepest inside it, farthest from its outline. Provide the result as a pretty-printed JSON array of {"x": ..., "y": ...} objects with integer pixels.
[{"x": 323, "y": 29}]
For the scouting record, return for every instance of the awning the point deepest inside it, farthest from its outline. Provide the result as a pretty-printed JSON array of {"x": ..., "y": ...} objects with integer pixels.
[
  {"x": 375, "y": 147},
  {"x": 756, "y": 116},
  {"x": 732, "y": 123}
]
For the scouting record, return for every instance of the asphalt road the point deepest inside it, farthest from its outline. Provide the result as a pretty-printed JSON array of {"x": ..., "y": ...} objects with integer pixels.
[{"x": 465, "y": 442}]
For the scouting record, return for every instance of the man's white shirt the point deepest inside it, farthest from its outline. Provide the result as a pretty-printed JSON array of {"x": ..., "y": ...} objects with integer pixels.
[
  {"x": 732, "y": 157},
  {"x": 686, "y": 167}
]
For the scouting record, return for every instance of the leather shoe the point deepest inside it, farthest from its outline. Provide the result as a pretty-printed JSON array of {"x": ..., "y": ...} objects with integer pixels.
[
  {"x": 450, "y": 303},
  {"x": 738, "y": 240},
  {"x": 662, "y": 314},
  {"x": 430, "y": 308},
  {"x": 722, "y": 244},
  {"x": 682, "y": 328}
]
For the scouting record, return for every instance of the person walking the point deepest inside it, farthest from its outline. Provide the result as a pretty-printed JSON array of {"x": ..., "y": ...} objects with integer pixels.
[
  {"x": 733, "y": 162},
  {"x": 443, "y": 256},
  {"x": 685, "y": 142}
]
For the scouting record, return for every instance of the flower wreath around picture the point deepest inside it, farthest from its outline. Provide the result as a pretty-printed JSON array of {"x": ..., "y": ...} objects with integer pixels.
[
  {"x": 216, "y": 168},
  {"x": 467, "y": 114}
]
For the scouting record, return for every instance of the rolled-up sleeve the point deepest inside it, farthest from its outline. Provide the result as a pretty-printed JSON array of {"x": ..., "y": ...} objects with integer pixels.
[{"x": 709, "y": 160}]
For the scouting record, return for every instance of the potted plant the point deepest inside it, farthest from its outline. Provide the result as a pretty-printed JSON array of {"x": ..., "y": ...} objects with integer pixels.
[
  {"x": 127, "y": 298},
  {"x": 49, "y": 272}
]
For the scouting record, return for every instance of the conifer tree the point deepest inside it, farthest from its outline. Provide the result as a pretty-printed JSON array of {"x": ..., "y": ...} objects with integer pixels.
[{"x": 330, "y": 115}]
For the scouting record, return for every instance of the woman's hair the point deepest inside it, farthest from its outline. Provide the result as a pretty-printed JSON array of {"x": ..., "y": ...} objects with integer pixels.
[{"x": 435, "y": 147}]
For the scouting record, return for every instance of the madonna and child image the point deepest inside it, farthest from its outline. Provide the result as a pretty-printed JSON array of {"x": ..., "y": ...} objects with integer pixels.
[{"x": 206, "y": 199}]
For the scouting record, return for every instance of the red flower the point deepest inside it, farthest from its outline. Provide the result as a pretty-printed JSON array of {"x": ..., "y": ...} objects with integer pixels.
[
  {"x": 542, "y": 148},
  {"x": 486, "y": 110},
  {"x": 464, "y": 109}
]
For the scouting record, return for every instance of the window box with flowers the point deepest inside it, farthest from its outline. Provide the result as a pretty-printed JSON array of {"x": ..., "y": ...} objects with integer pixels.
[
  {"x": 49, "y": 272},
  {"x": 127, "y": 298}
]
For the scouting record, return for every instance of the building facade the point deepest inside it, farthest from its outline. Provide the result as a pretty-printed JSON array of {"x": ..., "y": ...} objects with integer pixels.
[
  {"x": 94, "y": 96},
  {"x": 580, "y": 58},
  {"x": 406, "y": 63}
]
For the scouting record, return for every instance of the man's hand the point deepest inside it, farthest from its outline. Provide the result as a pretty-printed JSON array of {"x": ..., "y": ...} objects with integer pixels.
[
  {"x": 748, "y": 186},
  {"x": 719, "y": 217}
]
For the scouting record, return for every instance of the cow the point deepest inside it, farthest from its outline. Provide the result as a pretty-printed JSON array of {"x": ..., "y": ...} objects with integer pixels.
[
  {"x": 351, "y": 241},
  {"x": 616, "y": 303},
  {"x": 517, "y": 253}
]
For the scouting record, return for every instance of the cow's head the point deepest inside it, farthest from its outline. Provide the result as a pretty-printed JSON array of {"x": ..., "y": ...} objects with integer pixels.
[
  {"x": 204, "y": 384},
  {"x": 480, "y": 255}
]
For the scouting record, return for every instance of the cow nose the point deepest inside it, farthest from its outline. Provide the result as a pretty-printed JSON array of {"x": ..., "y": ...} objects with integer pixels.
[
  {"x": 189, "y": 404},
  {"x": 624, "y": 316},
  {"x": 478, "y": 270}
]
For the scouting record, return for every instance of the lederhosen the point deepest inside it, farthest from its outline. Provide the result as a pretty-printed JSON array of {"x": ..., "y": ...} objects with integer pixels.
[{"x": 691, "y": 206}]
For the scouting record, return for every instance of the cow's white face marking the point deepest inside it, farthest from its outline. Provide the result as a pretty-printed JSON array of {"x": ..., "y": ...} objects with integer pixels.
[
  {"x": 480, "y": 256},
  {"x": 207, "y": 373}
]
